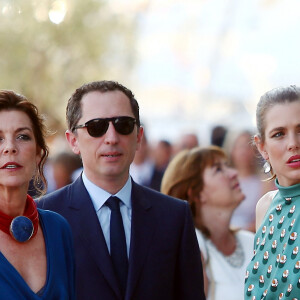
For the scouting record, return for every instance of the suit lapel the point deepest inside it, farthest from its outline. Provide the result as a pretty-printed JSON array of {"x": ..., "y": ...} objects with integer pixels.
[
  {"x": 90, "y": 232},
  {"x": 142, "y": 230}
]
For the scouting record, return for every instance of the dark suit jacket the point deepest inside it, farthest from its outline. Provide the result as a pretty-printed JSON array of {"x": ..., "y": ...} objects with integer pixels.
[{"x": 164, "y": 260}]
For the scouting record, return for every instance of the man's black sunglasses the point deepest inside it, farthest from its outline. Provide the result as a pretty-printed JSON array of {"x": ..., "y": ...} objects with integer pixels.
[{"x": 98, "y": 127}]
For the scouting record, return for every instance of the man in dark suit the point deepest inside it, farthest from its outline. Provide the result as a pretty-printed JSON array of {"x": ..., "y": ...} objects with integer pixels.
[{"x": 159, "y": 257}]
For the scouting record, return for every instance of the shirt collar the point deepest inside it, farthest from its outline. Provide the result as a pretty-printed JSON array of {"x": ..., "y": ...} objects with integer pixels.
[{"x": 99, "y": 196}]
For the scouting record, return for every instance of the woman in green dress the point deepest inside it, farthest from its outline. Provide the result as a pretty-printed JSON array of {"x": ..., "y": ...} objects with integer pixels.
[{"x": 274, "y": 271}]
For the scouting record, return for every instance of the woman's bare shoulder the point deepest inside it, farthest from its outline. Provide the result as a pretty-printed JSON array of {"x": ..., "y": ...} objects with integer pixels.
[{"x": 263, "y": 205}]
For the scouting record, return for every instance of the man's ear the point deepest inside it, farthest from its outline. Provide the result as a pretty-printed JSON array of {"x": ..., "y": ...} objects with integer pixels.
[
  {"x": 73, "y": 141},
  {"x": 261, "y": 147},
  {"x": 140, "y": 134}
]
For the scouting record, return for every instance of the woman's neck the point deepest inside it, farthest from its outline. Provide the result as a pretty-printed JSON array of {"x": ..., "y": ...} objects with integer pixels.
[
  {"x": 218, "y": 224},
  {"x": 12, "y": 201}
]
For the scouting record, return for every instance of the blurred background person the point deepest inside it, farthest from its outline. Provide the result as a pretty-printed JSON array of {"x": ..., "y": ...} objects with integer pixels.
[
  {"x": 218, "y": 134},
  {"x": 162, "y": 154},
  {"x": 202, "y": 177},
  {"x": 64, "y": 164},
  {"x": 143, "y": 169},
  {"x": 186, "y": 140},
  {"x": 244, "y": 157}
]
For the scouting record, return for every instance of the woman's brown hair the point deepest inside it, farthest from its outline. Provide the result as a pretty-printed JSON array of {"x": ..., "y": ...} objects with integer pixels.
[
  {"x": 183, "y": 177},
  {"x": 10, "y": 100}
]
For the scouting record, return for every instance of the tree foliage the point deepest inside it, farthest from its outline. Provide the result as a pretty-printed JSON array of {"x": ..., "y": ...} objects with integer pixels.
[{"x": 46, "y": 61}]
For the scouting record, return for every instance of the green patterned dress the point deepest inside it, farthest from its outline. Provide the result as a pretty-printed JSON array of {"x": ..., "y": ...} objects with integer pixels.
[{"x": 274, "y": 271}]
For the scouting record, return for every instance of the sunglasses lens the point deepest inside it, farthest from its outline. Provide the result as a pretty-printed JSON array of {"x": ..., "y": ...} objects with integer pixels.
[
  {"x": 97, "y": 128},
  {"x": 124, "y": 125}
]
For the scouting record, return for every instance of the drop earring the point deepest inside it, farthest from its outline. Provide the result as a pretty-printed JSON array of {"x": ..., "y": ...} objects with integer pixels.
[{"x": 267, "y": 167}]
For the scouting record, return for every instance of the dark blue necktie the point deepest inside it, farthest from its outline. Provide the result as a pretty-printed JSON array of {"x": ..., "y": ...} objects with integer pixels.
[{"x": 118, "y": 249}]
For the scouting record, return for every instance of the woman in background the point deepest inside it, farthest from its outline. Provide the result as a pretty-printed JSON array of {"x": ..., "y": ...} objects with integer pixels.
[
  {"x": 243, "y": 157},
  {"x": 273, "y": 272},
  {"x": 202, "y": 177},
  {"x": 36, "y": 248}
]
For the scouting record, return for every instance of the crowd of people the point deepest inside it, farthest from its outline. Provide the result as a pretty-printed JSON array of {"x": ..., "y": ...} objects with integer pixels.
[{"x": 118, "y": 217}]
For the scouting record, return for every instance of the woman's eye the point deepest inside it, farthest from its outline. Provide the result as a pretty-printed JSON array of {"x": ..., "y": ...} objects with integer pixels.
[
  {"x": 219, "y": 168},
  {"x": 277, "y": 134},
  {"x": 24, "y": 137}
]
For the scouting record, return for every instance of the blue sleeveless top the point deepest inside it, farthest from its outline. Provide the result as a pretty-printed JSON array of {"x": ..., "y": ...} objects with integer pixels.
[{"x": 274, "y": 271}]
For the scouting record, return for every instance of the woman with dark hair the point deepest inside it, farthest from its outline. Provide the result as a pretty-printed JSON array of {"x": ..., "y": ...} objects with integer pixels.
[
  {"x": 202, "y": 177},
  {"x": 36, "y": 247},
  {"x": 273, "y": 272}
]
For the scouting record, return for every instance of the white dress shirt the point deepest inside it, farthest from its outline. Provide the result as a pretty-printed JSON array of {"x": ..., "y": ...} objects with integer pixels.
[{"x": 99, "y": 197}]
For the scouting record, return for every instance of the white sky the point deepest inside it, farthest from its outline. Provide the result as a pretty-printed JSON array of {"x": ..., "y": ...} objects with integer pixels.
[{"x": 202, "y": 63}]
